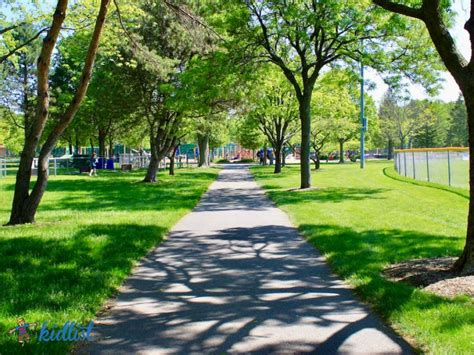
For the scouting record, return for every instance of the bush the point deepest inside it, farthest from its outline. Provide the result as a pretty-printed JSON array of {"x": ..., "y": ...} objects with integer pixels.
[{"x": 223, "y": 161}]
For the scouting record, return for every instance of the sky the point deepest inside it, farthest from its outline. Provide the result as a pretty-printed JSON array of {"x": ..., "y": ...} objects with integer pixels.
[{"x": 450, "y": 90}]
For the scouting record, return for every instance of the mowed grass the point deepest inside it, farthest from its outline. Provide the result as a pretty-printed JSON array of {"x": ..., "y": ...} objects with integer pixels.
[
  {"x": 363, "y": 221},
  {"x": 90, "y": 231}
]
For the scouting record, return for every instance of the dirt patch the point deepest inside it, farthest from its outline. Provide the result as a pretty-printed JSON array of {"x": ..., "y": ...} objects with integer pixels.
[{"x": 433, "y": 275}]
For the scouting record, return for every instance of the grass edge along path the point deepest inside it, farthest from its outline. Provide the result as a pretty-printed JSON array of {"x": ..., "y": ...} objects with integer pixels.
[
  {"x": 362, "y": 221},
  {"x": 89, "y": 234},
  {"x": 392, "y": 173}
]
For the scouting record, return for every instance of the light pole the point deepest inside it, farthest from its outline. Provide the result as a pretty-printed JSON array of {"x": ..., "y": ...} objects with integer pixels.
[{"x": 363, "y": 121}]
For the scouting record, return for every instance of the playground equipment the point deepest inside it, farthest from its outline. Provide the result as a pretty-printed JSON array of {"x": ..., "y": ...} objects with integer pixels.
[{"x": 135, "y": 161}]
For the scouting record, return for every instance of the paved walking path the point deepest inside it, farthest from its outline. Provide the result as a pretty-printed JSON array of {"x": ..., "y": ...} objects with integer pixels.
[{"x": 235, "y": 277}]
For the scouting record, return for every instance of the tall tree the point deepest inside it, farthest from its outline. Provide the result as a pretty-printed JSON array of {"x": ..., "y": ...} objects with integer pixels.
[
  {"x": 162, "y": 48},
  {"x": 435, "y": 15},
  {"x": 434, "y": 118},
  {"x": 458, "y": 130},
  {"x": 25, "y": 203},
  {"x": 247, "y": 134},
  {"x": 303, "y": 37},
  {"x": 336, "y": 110},
  {"x": 398, "y": 119},
  {"x": 387, "y": 109},
  {"x": 275, "y": 110}
]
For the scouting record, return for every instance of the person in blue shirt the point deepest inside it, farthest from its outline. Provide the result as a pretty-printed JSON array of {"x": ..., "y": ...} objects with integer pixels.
[
  {"x": 270, "y": 156},
  {"x": 260, "y": 157},
  {"x": 93, "y": 164}
]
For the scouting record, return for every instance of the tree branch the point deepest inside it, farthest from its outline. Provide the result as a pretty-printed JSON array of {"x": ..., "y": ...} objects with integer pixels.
[
  {"x": 24, "y": 44},
  {"x": 10, "y": 28},
  {"x": 400, "y": 9}
]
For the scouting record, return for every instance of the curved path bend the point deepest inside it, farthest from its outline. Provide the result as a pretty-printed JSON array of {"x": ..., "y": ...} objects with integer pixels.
[{"x": 234, "y": 276}]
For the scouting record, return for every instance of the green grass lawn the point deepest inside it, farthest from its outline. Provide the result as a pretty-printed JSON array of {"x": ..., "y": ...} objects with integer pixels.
[
  {"x": 88, "y": 235},
  {"x": 363, "y": 221}
]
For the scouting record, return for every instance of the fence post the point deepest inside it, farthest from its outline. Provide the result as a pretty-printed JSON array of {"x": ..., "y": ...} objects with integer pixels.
[
  {"x": 55, "y": 167},
  {"x": 405, "y": 162},
  {"x": 449, "y": 168},
  {"x": 414, "y": 168},
  {"x": 428, "y": 165}
]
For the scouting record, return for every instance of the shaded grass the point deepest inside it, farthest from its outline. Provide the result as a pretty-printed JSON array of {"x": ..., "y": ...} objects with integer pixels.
[
  {"x": 89, "y": 234},
  {"x": 362, "y": 221}
]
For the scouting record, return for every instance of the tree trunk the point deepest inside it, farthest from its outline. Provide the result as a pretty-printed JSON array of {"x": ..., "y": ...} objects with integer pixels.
[
  {"x": 152, "y": 169},
  {"x": 283, "y": 157},
  {"x": 203, "y": 143},
  {"x": 305, "y": 118},
  {"x": 154, "y": 162},
  {"x": 71, "y": 149},
  {"x": 102, "y": 142},
  {"x": 341, "y": 151},
  {"x": 465, "y": 263},
  {"x": 172, "y": 159},
  {"x": 277, "y": 151},
  {"x": 25, "y": 104},
  {"x": 402, "y": 143},
  {"x": 390, "y": 149},
  {"x": 111, "y": 148},
  {"x": 317, "y": 160},
  {"x": 77, "y": 145},
  {"x": 264, "y": 155},
  {"x": 22, "y": 187}
]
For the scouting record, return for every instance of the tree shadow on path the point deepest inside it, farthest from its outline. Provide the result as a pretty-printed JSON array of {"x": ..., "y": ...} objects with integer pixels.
[{"x": 259, "y": 289}]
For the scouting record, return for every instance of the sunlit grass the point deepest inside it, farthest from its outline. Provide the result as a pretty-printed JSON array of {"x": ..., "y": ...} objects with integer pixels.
[
  {"x": 88, "y": 235},
  {"x": 363, "y": 221}
]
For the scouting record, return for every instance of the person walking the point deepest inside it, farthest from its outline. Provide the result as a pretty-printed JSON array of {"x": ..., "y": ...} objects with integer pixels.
[
  {"x": 93, "y": 164},
  {"x": 260, "y": 157},
  {"x": 270, "y": 156}
]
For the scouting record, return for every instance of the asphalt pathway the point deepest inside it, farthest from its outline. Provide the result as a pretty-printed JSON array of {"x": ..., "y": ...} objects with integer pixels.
[{"x": 234, "y": 276}]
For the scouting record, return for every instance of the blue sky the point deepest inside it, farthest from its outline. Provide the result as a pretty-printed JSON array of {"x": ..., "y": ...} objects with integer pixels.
[{"x": 450, "y": 90}]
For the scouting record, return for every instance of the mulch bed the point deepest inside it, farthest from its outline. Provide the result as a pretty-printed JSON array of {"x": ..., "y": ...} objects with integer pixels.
[{"x": 433, "y": 275}]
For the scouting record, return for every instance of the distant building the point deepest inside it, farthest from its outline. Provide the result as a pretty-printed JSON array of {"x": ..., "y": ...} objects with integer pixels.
[{"x": 3, "y": 150}]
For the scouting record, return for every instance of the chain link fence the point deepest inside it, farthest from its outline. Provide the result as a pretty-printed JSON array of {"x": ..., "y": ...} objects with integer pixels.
[
  {"x": 446, "y": 166},
  {"x": 80, "y": 164},
  {"x": 57, "y": 166}
]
